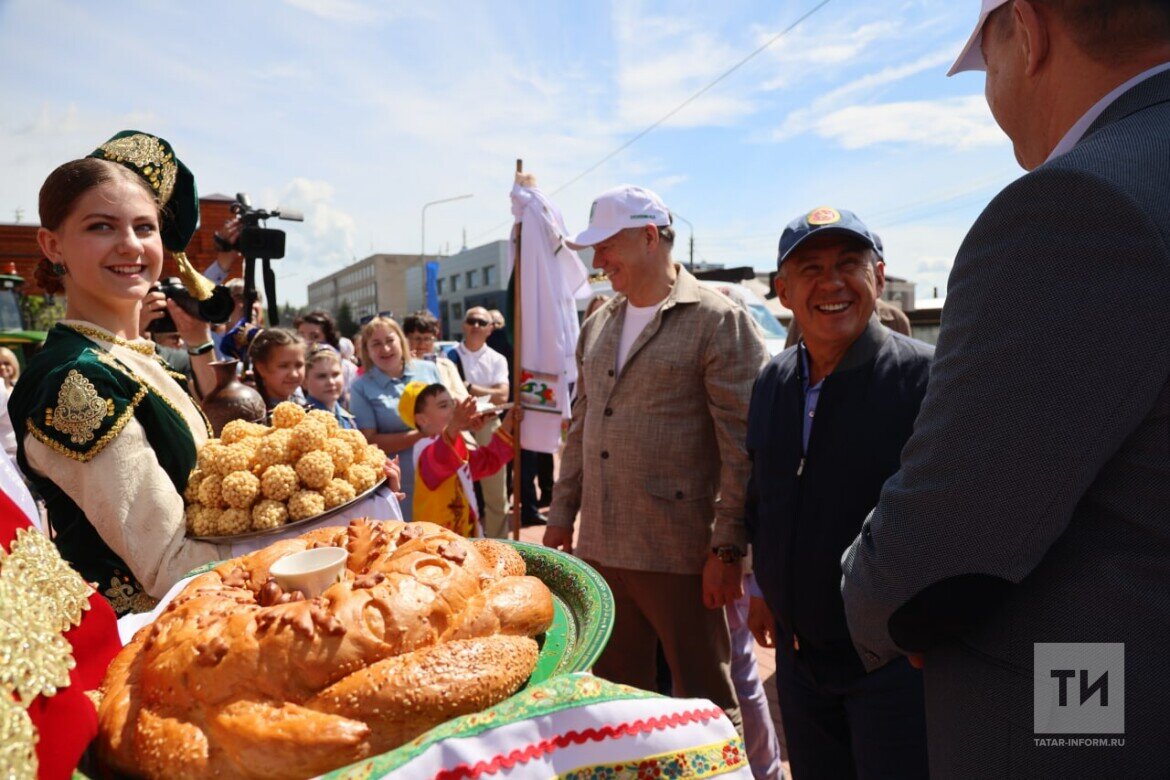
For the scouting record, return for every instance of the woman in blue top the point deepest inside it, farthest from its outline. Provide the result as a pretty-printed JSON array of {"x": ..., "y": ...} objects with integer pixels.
[{"x": 374, "y": 396}]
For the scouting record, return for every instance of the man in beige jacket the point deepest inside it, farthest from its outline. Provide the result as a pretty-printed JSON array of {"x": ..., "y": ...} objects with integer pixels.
[{"x": 655, "y": 460}]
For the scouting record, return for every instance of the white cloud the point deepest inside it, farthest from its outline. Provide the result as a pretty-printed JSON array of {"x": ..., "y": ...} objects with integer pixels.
[
  {"x": 803, "y": 119},
  {"x": 326, "y": 239},
  {"x": 663, "y": 61},
  {"x": 931, "y": 265},
  {"x": 337, "y": 10},
  {"x": 664, "y": 184},
  {"x": 958, "y": 123},
  {"x": 813, "y": 47}
]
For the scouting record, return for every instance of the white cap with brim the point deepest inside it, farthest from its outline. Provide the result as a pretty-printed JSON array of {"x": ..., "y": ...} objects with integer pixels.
[
  {"x": 971, "y": 58},
  {"x": 615, "y": 210}
]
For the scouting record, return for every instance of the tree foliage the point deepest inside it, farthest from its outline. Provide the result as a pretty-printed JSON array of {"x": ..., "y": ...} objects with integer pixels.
[
  {"x": 42, "y": 312},
  {"x": 346, "y": 325}
]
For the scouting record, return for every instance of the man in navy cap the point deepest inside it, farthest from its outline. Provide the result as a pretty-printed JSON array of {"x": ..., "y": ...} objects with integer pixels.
[{"x": 826, "y": 426}]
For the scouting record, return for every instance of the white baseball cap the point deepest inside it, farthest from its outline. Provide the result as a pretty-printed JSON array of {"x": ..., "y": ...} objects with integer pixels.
[
  {"x": 971, "y": 58},
  {"x": 615, "y": 210}
]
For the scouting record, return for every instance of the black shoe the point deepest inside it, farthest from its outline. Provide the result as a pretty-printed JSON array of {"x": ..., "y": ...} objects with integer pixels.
[{"x": 535, "y": 519}]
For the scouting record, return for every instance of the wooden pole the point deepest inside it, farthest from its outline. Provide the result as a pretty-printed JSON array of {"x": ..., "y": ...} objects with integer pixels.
[{"x": 516, "y": 341}]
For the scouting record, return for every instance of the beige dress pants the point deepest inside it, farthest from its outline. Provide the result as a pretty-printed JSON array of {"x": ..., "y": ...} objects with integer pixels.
[{"x": 495, "y": 490}]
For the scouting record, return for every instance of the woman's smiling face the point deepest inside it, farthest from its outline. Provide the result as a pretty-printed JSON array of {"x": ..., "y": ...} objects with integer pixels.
[
  {"x": 109, "y": 244},
  {"x": 386, "y": 351}
]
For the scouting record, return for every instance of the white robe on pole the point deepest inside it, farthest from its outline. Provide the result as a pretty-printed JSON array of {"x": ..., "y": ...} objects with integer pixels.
[{"x": 552, "y": 278}]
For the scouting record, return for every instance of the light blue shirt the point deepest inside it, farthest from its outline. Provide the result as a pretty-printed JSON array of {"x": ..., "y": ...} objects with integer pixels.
[
  {"x": 811, "y": 396},
  {"x": 373, "y": 401},
  {"x": 1077, "y": 131}
]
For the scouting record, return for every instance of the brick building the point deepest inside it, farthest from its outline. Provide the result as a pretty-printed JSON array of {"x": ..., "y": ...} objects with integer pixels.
[{"x": 18, "y": 244}]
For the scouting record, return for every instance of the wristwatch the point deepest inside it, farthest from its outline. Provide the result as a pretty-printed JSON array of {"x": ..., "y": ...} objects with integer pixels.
[
  {"x": 221, "y": 243},
  {"x": 202, "y": 349},
  {"x": 728, "y": 553}
]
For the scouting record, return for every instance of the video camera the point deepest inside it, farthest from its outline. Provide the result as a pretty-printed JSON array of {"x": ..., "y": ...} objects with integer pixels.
[
  {"x": 256, "y": 241},
  {"x": 216, "y": 309},
  {"x": 260, "y": 243}
]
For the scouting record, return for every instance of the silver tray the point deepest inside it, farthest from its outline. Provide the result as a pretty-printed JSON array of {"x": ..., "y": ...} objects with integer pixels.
[{"x": 305, "y": 521}]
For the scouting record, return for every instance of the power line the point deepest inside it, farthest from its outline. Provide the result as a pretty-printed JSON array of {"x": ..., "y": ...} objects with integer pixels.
[
  {"x": 678, "y": 108},
  {"x": 692, "y": 98}
]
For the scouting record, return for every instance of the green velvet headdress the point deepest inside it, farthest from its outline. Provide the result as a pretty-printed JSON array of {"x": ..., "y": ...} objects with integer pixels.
[{"x": 154, "y": 159}]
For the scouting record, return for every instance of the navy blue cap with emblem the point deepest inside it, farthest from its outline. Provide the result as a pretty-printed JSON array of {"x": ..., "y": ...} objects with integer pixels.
[{"x": 824, "y": 219}]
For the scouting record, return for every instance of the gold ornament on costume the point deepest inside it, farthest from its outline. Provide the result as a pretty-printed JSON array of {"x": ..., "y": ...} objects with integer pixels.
[
  {"x": 34, "y": 658},
  {"x": 40, "y": 598},
  {"x": 35, "y": 565},
  {"x": 80, "y": 410},
  {"x": 200, "y": 287},
  {"x": 18, "y": 739},
  {"x": 141, "y": 347},
  {"x": 154, "y": 162},
  {"x": 124, "y": 597}
]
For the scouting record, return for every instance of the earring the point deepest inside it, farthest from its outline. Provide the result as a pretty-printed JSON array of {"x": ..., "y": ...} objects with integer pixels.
[{"x": 58, "y": 269}]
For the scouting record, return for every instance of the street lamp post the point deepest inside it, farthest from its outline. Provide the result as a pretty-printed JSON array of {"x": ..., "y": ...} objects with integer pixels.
[
  {"x": 423, "y": 249},
  {"x": 692, "y": 227},
  {"x": 422, "y": 253}
]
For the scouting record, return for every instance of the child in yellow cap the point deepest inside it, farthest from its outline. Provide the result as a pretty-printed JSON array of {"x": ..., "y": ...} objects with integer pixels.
[{"x": 443, "y": 468}]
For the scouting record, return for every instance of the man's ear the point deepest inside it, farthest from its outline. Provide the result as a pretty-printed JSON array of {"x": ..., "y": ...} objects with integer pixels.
[
  {"x": 781, "y": 285},
  {"x": 879, "y": 273},
  {"x": 652, "y": 237},
  {"x": 1035, "y": 38}
]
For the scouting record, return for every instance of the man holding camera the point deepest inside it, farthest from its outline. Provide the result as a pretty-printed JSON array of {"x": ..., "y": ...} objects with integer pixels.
[{"x": 197, "y": 352}]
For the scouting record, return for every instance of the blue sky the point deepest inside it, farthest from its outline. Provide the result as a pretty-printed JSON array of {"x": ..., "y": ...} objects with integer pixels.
[{"x": 360, "y": 111}]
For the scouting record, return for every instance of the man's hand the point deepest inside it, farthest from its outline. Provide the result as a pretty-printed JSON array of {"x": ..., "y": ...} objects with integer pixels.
[
  {"x": 722, "y": 582},
  {"x": 761, "y": 622},
  {"x": 559, "y": 538},
  {"x": 154, "y": 305},
  {"x": 192, "y": 330}
]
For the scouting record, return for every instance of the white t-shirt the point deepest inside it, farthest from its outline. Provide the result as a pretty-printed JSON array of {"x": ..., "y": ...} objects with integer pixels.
[
  {"x": 484, "y": 367},
  {"x": 637, "y": 318}
]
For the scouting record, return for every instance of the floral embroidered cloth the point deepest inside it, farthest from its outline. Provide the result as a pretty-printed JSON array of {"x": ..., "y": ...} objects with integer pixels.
[{"x": 574, "y": 726}]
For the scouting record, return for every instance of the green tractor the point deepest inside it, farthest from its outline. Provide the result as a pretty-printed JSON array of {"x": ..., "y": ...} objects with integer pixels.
[{"x": 24, "y": 343}]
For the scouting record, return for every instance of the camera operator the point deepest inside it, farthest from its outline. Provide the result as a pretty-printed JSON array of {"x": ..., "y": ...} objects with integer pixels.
[
  {"x": 227, "y": 256},
  {"x": 195, "y": 360}
]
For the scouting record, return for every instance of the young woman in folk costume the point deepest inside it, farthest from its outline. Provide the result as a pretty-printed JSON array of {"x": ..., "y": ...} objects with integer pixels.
[{"x": 106, "y": 433}]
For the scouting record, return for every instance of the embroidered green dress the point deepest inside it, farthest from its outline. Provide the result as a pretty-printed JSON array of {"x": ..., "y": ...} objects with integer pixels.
[{"x": 108, "y": 435}]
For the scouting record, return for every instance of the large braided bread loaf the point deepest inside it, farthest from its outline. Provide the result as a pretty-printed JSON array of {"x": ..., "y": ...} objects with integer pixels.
[{"x": 238, "y": 679}]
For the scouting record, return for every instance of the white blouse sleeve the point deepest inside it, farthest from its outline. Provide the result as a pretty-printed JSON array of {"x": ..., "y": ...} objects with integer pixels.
[{"x": 132, "y": 503}]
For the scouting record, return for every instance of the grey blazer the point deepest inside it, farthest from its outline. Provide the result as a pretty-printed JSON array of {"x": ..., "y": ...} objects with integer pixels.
[{"x": 1033, "y": 503}]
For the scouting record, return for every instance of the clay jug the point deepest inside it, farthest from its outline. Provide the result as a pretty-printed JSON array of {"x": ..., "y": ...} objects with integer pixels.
[{"x": 231, "y": 399}]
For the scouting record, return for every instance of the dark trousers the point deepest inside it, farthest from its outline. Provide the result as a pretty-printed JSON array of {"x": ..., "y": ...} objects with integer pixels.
[
  {"x": 871, "y": 727},
  {"x": 535, "y": 468}
]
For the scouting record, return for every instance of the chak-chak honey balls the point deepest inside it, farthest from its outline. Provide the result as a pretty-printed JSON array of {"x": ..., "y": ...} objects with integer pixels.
[{"x": 255, "y": 477}]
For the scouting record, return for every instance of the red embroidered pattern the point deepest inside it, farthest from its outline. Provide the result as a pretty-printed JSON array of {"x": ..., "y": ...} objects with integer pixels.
[{"x": 546, "y": 746}]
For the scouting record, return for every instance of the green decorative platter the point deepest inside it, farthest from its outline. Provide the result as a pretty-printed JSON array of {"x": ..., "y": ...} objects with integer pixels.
[{"x": 582, "y": 611}]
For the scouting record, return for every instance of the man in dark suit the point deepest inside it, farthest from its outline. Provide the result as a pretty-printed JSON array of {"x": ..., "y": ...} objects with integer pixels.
[
  {"x": 1022, "y": 553},
  {"x": 812, "y": 483}
]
